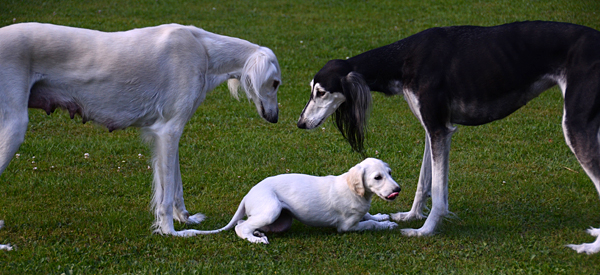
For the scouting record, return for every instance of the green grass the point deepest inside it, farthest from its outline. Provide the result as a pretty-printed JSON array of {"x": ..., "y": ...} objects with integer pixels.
[{"x": 517, "y": 190}]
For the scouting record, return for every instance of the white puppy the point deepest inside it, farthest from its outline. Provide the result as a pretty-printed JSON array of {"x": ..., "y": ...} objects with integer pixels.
[{"x": 334, "y": 201}]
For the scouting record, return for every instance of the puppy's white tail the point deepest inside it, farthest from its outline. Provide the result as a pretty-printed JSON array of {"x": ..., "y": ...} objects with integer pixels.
[{"x": 239, "y": 214}]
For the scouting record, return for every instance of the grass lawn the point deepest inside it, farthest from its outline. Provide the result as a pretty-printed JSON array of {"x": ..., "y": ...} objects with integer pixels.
[{"x": 517, "y": 191}]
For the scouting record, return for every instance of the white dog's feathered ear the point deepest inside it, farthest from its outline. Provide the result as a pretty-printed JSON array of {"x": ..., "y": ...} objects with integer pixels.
[
  {"x": 256, "y": 71},
  {"x": 234, "y": 87},
  {"x": 355, "y": 180}
]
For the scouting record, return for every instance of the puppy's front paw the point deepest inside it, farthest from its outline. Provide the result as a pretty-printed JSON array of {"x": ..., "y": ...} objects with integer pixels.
[
  {"x": 388, "y": 225},
  {"x": 380, "y": 217}
]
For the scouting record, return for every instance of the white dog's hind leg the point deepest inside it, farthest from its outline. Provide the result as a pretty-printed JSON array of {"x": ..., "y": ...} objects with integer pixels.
[
  {"x": 166, "y": 144},
  {"x": 423, "y": 190},
  {"x": 180, "y": 214},
  {"x": 13, "y": 125}
]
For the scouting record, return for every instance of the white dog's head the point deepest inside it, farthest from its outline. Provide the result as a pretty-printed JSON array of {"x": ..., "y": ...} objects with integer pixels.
[
  {"x": 260, "y": 79},
  {"x": 373, "y": 176}
]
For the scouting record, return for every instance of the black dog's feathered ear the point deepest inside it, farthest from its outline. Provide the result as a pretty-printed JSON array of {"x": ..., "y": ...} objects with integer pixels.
[{"x": 351, "y": 117}]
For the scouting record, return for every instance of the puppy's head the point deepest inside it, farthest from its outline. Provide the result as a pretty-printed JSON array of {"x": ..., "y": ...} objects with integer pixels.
[
  {"x": 373, "y": 176},
  {"x": 337, "y": 89}
]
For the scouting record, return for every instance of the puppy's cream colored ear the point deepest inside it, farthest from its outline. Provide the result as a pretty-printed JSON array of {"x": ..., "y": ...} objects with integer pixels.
[{"x": 355, "y": 180}]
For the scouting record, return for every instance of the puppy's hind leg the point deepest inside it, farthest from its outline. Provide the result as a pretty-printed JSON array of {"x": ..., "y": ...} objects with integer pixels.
[{"x": 262, "y": 213}]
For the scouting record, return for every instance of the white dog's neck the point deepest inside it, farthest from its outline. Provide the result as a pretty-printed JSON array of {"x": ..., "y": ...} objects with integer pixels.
[{"x": 227, "y": 55}]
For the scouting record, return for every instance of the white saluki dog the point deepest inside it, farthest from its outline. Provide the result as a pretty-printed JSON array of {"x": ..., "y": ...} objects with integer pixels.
[
  {"x": 468, "y": 75},
  {"x": 341, "y": 201},
  {"x": 153, "y": 78}
]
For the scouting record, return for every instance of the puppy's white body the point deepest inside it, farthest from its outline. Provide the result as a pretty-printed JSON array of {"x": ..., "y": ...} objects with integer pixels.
[
  {"x": 153, "y": 78},
  {"x": 341, "y": 201}
]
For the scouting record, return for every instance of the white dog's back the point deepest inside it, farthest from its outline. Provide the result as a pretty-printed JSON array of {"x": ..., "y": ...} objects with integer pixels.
[{"x": 75, "y": 69}]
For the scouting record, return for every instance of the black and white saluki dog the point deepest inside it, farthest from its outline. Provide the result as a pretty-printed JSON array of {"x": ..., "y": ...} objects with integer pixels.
[
  {"x": 154, "y": 78},
  {"x": 471, "y": 76}
]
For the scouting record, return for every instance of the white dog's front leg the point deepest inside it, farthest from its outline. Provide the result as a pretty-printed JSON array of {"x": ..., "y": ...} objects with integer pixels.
[{"x": 423, "y": 190}]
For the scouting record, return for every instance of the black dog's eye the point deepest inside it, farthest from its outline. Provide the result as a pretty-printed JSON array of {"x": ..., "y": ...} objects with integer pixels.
[
  {"x": 320, "y": 93},
  {"x": 275, "y": 84},
  {"x": 378, "y": 177}
]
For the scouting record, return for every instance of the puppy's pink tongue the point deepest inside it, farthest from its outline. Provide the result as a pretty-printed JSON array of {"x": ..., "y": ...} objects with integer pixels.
[{"x": 392, "y": 196}]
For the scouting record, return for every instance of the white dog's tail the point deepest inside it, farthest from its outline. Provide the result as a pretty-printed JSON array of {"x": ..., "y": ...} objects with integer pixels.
[{"x": 239, "y": 214}]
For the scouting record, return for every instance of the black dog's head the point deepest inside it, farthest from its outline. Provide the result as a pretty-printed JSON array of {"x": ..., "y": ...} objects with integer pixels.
[{"x": 337, "y": 89}]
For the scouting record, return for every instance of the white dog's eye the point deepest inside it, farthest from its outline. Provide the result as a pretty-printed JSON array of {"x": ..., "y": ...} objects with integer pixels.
[
  {"x": 275, "y": 84},
  {"x": 378, "y": 177}
]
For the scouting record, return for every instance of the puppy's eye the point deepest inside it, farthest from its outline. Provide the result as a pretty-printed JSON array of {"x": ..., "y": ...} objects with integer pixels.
[
  {"x": 378, "y": 177},
  {"x": 320, "y": 93}
]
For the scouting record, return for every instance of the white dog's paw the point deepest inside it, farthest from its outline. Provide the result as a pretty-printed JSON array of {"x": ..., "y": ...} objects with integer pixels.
[
  {"x": 407, "y": 216},
  {"x": 195, "y": 219},
  {"x": 594, "y": 232},
  {"x": 588, "y": 248},
  {"x": 6, "y": 247},
  {"x": 380, "y": 217}
]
